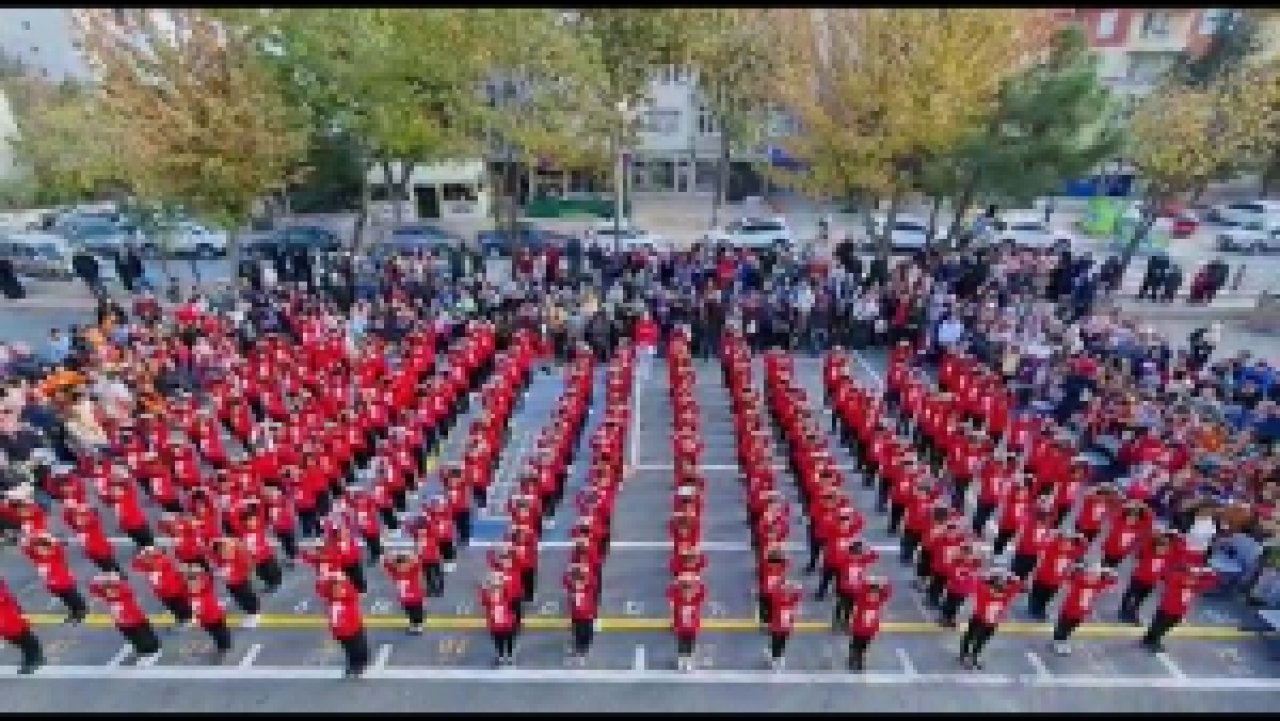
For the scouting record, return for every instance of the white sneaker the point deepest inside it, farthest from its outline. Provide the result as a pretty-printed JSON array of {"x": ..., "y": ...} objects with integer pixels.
[
  {"x": 251, "y": 621},
  {"x": 1062, "y": 648},
  {"x": 450, "y": 567}
]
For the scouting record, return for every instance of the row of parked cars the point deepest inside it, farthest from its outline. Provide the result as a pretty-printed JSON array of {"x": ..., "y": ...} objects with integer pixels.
[{"x": 1247, "y": 227}]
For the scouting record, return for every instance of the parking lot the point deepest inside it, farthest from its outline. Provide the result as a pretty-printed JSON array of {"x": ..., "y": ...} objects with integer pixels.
[{"x": 912, "y": 659}]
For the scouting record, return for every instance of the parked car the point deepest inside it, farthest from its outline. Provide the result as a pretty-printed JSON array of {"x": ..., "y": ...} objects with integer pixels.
[
  {"x": 629, "y": 238},
  {"x": 754, "y": 233},
  {"x": 311, "y": 237},
  {"x": 410, "y": 238},
  {"x": 495, "y": 243},
  {"x": 1026, "y": 230},
  {"x": 38, "y": 254},
  {"x": 1244, "y": 212},
  {"x": 909, "y": 233},
  {"x": 102, "y": 238},
  {"x": 187, "y": 238},
  {"x": 1185, "y": 224},
  {"x": 1252, "y": 237}
]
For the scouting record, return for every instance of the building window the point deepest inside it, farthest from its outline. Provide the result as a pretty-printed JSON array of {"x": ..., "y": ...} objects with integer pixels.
[
  {"x": 26, "y": 24},
  {"x": 35, "y": 49},
  {"x": 707, "y": 124},
  {"x": 1155, "y": 25},
  {"x": 1107, "y": 24},
  {"x": 459, "y": 191},
  {"x": 661, "y": 122},
  {"x": 704, "y": 175},
  {"x": 1215, "y": 19}
]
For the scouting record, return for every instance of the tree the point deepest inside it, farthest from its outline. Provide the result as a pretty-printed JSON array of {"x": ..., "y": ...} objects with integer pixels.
[
  {"x": 880, "y": 92},
  {"x": 1233, "y": 40},
  {"x": 546, "y": 84},
  {"x": 1053, "y": 121},
  {"x": 403, "y": 83},
  {"x": 200, "y": 122},
  {"x": 730, "y": 50}
]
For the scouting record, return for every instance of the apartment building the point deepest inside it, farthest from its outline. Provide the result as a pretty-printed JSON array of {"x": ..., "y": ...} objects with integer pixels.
[{"x": 1135, "y": 47}]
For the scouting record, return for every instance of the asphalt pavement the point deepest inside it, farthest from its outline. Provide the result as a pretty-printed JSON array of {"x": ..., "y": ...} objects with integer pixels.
[{"x": 288, "y": 662}]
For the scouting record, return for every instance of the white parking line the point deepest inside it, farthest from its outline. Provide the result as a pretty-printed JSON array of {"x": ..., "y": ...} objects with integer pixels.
[
  {"x": 1166, "y": 661},
  {"x": 384, "y": 655},
  {"x": 705, "y": 676},
  {"x": 638, "y": 663},
  {"x": 251, "y": 656},
  {"x": 866, "y": 368},
  {"x": 1037, "y": 663},
  {"x": 120, "y": 656},
  {"x": 908, "y": 667}
]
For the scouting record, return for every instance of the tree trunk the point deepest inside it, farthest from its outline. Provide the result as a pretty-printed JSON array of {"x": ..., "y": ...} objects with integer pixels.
[
  {"x": 513, "y": 206},
  {"x": 366, "y": 199},
  {"x": 884, "y": 243},
  {"x": 962, "y": 206},
  {"x": 869, "y": 203},
  {"x": 401, "y": 191},
  {"x": 934, "y": 210},
  {"x": 389, "y": 187},
  {"x": 722, "y": 177},
  {"x": 1145, "y": 225},
  {"x": 233, "y": 256}
]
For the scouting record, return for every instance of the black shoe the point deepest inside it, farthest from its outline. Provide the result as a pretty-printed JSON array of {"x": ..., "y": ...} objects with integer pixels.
[
  {"x": 27, "y": 669},
  {"x": 974, "y": 663},
  {"x": 819, "y": 597}
]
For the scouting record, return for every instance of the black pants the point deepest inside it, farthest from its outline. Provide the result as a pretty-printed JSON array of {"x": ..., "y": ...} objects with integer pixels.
[
  {"x": 923, "y": 560},
  {"x": 896, "y": 510},
  {"x": 289, "y": 543},
  {"x": 910, "y": 540},
  {"x": 1133, "y": 598},
  {"x": 448, "y": 550},
  {"x": 434, "y": 577},
  {"x": 415, "y": 612},
  {"x": 74, "y": 602},
  {"x": 517, "y": 610},
  {"x": 374, "y": 544},
  {"x": 269, "y": 573},
  {"x": 29, "y": 646},
  {"x": 142, "y": 637},
  {"x": 1039, "y": 597},
  {"x": 858, "y": 651},
  {"x": 222, "y": 637},
  {"x": 388, "y": 516},
  {"x": 933, "y": 594},
  {"x": 141, "y": 537},
  {"x": 356, "y": 647},
  {"x": 107, "y": 564},
  {"x": 1161, "y": 624},
  {"x": 462, "y": 524},
  {"x": 355, "y": 572},
  {"x": 1022, "y": 565},
  {"x": 504, "y": 642},
  {"x": 777, "y": 644},
  {"x": 828, "y": 575},
  {"x": 528, "y": 577},
  {"x": 981, "y": 515},
  {"x": 1002, "y": 541},
  {"x": 685, "y": 644},
  {"x": 179, "y": 606},
  {"x": 242, "y": 593},
  {"x": 951, "y": 606},
  {"x": 976, "y": 635},
  {"x": 1063, "y": 629},
  {"x": 583, "y": 632}
]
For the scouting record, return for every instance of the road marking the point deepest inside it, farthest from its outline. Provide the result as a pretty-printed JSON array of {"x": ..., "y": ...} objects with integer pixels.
[
  {"x": 1170, "y": 666},
  {"x": 724, "y": 467},
  {"x": 653, "y": 676},
  {"x": 120, "y": 656},
  {"x": 866, "y": 368},
  {"x": 635, "y": 622},
  {"x": 251, "y": 656},
  {"x": 384, "y": 655},
  {"x": 638, "y": 663},
  {"x": 908, "y": 667},
  {"x": 1042, "y": 671},
  {"x": 149, "y": 661},
  {"x": 633, "y": 432}
]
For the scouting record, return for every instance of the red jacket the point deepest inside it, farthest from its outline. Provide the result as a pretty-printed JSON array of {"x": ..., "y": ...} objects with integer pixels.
[
  {"x": 1181, "y": 586},
  {"x": 124, "y": 608},
  {"x": 1082, "y": 591},
  {"x": 343, "y": 602},
  {"x": 991, "y": 604},
  {"x": 1056, "y": 560},
  {"x": 864, "y": 619},
  {"x": 233, "y": 569},
  {"x": 686, "y": 608},
  {"x": 12, "y": 623},
  {"x": 205, "y": 604},
  {"x": 408, "y": 581},
  {"x": 582, "y": 601},
  {"x": 162, "y": 574},
  {"x": 498, "y": 616},
  {"x": 782, "y": 610},
  {"x": 52, "y": 566},
  {"x": 87, "y": 527}
]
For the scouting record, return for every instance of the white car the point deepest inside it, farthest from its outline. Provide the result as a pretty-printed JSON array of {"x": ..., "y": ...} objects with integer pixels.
[
  {"x": 1029, "y": 231},
  {"x": 1245, "y": 212},
  {"x": 630, "y": 237},
  {"x": 909, "y": 233},
  {"x": 754, "y": 233},
  {"x": 187, "y": 238},
  {"x": 1251, "y": 237}
]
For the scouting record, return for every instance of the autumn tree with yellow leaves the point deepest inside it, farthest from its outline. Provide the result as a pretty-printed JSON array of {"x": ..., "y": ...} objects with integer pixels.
[
  {"x": 878, "y": 92},
  {"x": 197, "y": 116}
]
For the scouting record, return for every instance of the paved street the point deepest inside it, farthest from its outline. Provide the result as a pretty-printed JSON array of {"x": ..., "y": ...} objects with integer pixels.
[{"x": 1211, "y": 665}]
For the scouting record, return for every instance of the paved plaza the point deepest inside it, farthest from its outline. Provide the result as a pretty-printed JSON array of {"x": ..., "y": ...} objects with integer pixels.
[{"x": 288, "y": 661}]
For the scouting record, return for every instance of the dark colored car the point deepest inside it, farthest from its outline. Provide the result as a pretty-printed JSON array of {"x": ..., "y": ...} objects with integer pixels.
[
  {"x": 494, "y": 243},
  {"x": 311, "y": 237},
  {"x": 411, "y": 238}
]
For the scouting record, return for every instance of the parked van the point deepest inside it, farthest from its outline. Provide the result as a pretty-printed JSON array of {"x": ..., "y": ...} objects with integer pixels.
[{"x": 38, "y": 254}]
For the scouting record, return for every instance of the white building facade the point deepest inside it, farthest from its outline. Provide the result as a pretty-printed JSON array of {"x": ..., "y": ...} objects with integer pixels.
[{"x": 442, "y": 191}]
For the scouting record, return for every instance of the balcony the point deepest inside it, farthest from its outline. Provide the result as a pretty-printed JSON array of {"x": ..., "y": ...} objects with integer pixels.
[{"x": 1160, "y": 31}]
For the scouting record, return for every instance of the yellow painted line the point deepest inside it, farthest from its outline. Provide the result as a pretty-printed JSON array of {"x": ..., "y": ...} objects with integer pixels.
[{"x": 638, "y": 623}]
